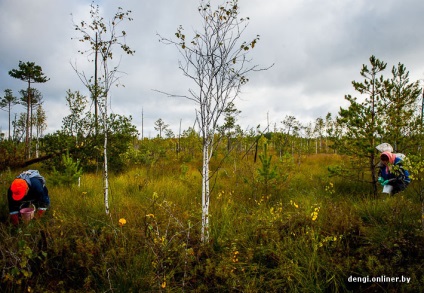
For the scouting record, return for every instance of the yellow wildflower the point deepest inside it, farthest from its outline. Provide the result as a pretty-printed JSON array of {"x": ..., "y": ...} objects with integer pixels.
[
  {"x": 294, "y": 204},
  {"x": 122, "y": 222},
  {"x": 314, "y": 214}
]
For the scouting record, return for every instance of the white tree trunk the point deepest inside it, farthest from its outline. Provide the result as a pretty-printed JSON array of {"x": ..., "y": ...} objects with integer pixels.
[
  {"x": 106, "y": 179},
  {"x": 36, "y": 142},
  {"x": 316, "y": 146},
  {"x": 205, "y": 193}
]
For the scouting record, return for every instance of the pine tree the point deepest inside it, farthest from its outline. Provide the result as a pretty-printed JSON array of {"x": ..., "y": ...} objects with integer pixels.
[
  {"x": 8, "y": 101},
  {"x": 267, "y": 171},
  {"x": 401, "y": 120},
  {"x": 362, "y": 123},
  {"x": 30, "y": 73}
]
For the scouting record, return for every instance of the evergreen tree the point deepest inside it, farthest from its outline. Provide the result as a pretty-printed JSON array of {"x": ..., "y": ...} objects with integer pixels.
[
  {"x": 401, "y": 120},
  {"x": 362, "y": 122},
  {"x": 161, "y": 126},
  {"x": 267, "y": 172},
  {"x": 69, "y": 172},
  {"x": 35, "y": 98},
  {"x": 230, "y": 118},
  {"x": 8, "y": 101},
  {"x": 30, "y": 73}
]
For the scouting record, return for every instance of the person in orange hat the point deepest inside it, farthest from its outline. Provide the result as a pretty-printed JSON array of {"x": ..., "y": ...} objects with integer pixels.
[{"x": 28, "y": 187}]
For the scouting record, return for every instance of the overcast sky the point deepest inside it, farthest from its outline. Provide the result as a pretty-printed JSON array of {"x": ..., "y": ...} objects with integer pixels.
[{"x": 318, "y": 48}]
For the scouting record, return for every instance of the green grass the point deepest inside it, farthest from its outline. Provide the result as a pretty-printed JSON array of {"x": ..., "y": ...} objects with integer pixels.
[{"x": 307, "y": 234}]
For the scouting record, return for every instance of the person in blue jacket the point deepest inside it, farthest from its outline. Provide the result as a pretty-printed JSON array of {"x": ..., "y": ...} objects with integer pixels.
[
  {"x": 28, "y": 188},
  {"x": 392, "y": 172}
]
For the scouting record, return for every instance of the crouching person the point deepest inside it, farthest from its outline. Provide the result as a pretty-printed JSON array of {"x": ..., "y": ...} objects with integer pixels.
[
  {"x": 28, "y": 188},
  {"x": 393, "y": 173}
]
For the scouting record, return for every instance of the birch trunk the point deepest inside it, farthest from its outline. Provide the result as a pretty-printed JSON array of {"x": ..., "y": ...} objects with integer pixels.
[
  {"x": 205, "y": 194},
  {"x": 106, "y": 179}
]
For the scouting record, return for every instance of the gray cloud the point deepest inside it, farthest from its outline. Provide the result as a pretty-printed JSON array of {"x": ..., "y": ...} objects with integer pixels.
[{"x": 317, "y": 48}]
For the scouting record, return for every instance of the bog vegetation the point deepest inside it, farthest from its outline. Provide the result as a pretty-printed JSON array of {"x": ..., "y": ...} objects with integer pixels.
[{"x": 282, "y": 223}]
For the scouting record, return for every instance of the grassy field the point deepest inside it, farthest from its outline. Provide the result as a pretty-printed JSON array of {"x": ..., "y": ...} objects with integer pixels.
[{"x": 300, "y": 232}]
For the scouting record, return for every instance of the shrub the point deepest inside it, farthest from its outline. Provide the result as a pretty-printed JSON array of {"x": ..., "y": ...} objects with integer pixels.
[{"x": 69, "y": 174}]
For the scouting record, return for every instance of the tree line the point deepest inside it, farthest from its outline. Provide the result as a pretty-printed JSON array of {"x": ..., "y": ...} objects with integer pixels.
[{"x": 386, "y": 110}]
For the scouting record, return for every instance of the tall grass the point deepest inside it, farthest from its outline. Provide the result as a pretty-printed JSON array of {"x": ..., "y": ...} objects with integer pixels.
[{"x": 306, "y": 234}]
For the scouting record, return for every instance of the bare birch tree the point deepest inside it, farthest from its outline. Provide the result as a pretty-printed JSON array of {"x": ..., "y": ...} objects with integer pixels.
[
  {"x": 216, "y": 60},
  {"x": 102, "y": 37}
]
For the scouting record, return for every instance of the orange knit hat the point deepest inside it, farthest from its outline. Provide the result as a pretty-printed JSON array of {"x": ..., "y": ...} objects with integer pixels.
[{"x": 19, "y": 189}]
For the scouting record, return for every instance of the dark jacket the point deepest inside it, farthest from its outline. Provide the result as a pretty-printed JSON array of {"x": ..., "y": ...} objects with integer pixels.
[
  {"x": 37, "y": 195},
  {"x": 397, "y": 171},
  {"x": 398, "y": 176}
]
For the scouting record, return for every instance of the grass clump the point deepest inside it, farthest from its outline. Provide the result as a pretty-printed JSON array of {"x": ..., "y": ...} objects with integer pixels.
[{"x": 301, "y": 235}]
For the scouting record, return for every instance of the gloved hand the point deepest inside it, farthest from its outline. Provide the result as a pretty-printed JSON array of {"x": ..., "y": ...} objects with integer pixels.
[
  {"x": 380, "y": 180},
  {"x": 14, "y": 218},
  {"x": 385, "y": 182},
  {"x": 40, "y": 213}
]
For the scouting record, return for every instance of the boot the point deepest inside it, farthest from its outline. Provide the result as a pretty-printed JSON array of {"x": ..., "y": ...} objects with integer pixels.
[{"x": 14, "y": 218}]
